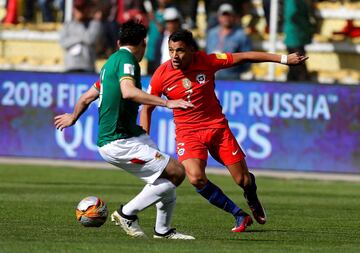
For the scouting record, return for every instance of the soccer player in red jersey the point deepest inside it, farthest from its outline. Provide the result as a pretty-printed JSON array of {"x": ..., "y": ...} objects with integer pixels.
[{"x": 190, "y": 75}]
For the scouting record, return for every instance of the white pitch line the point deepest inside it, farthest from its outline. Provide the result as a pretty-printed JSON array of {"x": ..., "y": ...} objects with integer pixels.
[{"x": 212, "y": 170}]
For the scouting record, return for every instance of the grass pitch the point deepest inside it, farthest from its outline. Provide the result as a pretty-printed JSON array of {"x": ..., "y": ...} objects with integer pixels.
[{"x": 38, "y": 203}]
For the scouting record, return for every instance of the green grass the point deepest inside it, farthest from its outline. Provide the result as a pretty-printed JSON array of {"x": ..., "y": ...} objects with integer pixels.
[{"x": 38, "y": 203}]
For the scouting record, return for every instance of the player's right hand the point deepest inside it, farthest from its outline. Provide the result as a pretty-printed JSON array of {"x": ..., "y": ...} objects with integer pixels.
[
  {"x": 179, "y": 103},
  {"x": 64, "y": 120},
  {"x": 296, "y": 59}
]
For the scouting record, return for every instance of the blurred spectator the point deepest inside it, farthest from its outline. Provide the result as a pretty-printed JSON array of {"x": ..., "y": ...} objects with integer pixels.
[
  {"x": 47, "y": 9},
  {"x": 131, "y": 9},
  {"x": 59, "y": 6},
  {"x": 110, "y": 27},
  {"x": 350, "y": 30},
  {"x": 228, "y": 37},
  {"x": 155, "y": 31},
  {"x": 298, "y": 31},
  {"x": 3, "y": 10},
  {"x": 10, "y": 12},
  {"x": 210, "y": 11},
  {"x": 211, "y": 7},
  {"x": 266, "y": 4},
  {"x": 266, "y": 8},
  {"x": 173, "y": 23},
  {"x": 80, "y": 37}
]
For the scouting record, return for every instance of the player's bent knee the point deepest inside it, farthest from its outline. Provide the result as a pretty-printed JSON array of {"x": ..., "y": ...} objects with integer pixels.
[
  {"x": 179, "y": 175},
  {"x": 243, "y": 180},
  {"x": 198, "y": 182},
  {"x": 240, "y": 173},
  {"x": 174, "y": 172}
]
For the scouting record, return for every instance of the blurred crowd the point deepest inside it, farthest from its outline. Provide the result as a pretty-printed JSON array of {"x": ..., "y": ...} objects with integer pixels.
[{"x": 92, "y": 32}]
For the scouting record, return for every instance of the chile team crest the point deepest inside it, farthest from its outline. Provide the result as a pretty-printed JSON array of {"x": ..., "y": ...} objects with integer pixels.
[
  {"x": 201, "y": 78},
  {"x": 186, "y": 83}
]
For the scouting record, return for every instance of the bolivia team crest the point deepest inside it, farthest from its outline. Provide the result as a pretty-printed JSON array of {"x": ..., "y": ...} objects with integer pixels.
[
  {"x": 201, "y": 78},
  {"x": 159, "y": 156},
  {"x": 186, "y": 83}
]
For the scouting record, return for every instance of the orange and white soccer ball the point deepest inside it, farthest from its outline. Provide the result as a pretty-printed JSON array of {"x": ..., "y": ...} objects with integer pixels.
[{"x": 91, "y": 212}]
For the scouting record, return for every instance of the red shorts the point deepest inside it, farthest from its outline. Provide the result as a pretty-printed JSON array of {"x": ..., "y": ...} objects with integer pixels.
[{"x": 220, "y": 142}]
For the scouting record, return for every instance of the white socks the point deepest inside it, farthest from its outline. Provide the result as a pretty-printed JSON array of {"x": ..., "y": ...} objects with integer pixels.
[
  {"x": 164, "y": 211},
  {"x": 162, "y": 193}
]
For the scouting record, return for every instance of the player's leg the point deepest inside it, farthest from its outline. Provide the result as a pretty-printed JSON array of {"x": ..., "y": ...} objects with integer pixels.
[
  {"x": 140, "y": 156},
  {"x": 174, "y": 173},
  {"x": 227, "y": 151},
  {"x": 192, "y": 150},
  {"x": 195, "y": 170},
  {"x": 137, "y": 156},
  {"x": 246, "y": 180},
  {"x": 160, "y": 189},
  {"x": 161, "y": 192}
]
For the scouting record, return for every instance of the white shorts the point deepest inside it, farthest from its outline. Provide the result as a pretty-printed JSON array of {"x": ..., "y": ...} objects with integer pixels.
[{"x": 137, "y": 155}]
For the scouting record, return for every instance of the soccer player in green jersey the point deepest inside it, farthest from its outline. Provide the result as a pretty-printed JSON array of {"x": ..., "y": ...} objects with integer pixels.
[{"x": 125, "y": 144}]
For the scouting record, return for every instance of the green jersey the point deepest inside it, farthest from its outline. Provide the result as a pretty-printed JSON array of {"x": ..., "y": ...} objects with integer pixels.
[{"x": 118, "y": 116}]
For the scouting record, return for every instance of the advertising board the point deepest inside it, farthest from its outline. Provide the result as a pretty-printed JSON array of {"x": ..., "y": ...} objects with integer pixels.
[{"x": 295, "y": 126}]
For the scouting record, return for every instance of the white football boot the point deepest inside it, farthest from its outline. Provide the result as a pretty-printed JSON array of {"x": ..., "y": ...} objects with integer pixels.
[
  {"x": 130, "y": 226},
  {"x": 172, "y": 234}
]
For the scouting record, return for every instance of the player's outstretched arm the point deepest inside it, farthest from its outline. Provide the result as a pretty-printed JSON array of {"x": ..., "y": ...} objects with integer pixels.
[
  {"x": 68, "y": 119},
  {"x": 129, "y": 91},
  {"x": 252, "y": 56}
]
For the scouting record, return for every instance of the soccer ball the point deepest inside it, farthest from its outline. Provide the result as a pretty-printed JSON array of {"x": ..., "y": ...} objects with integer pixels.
[{"x": 91, "y": 212}]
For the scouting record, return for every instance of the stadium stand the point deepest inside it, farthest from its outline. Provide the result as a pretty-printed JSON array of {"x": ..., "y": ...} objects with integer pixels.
[{"x": 334, "y": 52}]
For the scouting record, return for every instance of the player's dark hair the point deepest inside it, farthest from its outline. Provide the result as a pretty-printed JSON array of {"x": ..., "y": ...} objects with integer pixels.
[
  {"x": 184, "y": 36},
  {"x": 131, "y": 33}
]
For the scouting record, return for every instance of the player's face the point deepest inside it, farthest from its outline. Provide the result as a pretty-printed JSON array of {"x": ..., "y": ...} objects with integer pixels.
[{"x": 181, "y": 54}]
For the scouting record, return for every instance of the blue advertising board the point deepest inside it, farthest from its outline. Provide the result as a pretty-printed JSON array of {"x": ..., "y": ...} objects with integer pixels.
[{"x": 302, "y": 126}]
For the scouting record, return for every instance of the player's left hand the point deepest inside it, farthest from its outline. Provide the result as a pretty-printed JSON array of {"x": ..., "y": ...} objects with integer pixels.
[
  {"x": 179, "y": 103},
  {"x": 64, "y": 120},
  {"x": 296, "y": 58}
]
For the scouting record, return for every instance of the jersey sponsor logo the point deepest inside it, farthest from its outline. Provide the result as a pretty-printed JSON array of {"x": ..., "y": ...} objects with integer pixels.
[
  {"x": 129, "y": 69},
  {"x": 171, "y": 88},
  {"x": 186, "y": 83},
  {"x": 201, "y": 78},
  {"x": 221, "y": 56},
  {"x": 235, "y": 152}
]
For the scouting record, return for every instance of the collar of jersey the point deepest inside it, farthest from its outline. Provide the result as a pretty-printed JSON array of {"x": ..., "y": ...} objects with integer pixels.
[{"x": 126, "y": 48}]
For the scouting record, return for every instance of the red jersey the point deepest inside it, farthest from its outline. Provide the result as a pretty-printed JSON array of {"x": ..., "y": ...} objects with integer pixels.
[{"x": 196, "y": 84}]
